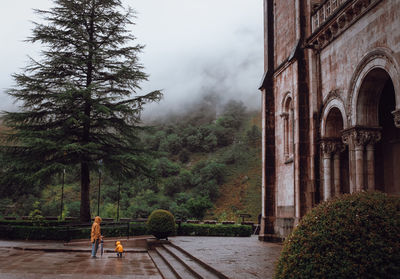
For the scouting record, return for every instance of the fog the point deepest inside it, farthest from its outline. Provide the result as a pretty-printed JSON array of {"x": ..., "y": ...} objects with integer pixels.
[{"x": 193, "y": 48}]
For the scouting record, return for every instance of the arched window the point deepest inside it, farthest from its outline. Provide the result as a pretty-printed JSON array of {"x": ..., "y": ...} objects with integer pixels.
[{"x": 288, "y": 128}]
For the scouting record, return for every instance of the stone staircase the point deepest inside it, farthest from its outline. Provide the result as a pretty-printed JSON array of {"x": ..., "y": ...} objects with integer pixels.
[{"x": 175, "y": 263}]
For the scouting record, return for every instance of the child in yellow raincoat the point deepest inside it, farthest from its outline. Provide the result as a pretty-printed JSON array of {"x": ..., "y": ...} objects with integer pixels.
[{"x": 119, "y": 249}]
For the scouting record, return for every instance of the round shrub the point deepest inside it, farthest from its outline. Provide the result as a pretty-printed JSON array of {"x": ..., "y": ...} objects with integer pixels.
[
  {"x": 161, "y": 224},
  {"x": 354, "y": 236}
]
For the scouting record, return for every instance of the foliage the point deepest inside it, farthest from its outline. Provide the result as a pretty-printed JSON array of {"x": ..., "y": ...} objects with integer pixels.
[
  {"x": 161, "y": 223},
  {"x": 354, "y": 236},
  {"x": 186, "y": 229},
  {"x": 36, "y": 214},
  {"x": 184, "y": 156},
  {"x": 78, "y": 103},
  {"x": 143, "y": 204},
  {"x": 197, "y": 207},
  {"x": 166, "y": 168},
  {"x": 207, "y": 178},
  {"x": 209, "y": 170},
  {"x": 253, "y": 135},
  {"x": 172, "y": 144},
  {"x": 73, "y": 208},
  {"x": 233, "y": 115},
  {"x": 236, "y": 154}
]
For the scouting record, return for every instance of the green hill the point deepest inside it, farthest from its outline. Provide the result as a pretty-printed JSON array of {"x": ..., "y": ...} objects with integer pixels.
[{"x": 205, "y": 165}]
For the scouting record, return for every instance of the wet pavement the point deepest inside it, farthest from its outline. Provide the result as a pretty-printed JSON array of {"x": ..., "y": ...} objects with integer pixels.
[
  {"x": 235, "y": 257},
  {"x": 38, "y": 264}
]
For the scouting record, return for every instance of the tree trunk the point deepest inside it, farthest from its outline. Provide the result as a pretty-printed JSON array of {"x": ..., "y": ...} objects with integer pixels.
[
  {"x": 85, "y": 189},
  {"x": 85, "y": 173}
]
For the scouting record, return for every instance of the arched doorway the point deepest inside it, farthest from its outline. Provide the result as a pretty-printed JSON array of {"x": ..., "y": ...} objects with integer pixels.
[
  {"x": 335, "y": 159},
  {"x": 378, "y": 139},
  {"x": 387, "y": 151}
]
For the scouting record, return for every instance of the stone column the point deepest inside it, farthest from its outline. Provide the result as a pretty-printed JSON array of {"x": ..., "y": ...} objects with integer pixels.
[
  {"x": 336, "y": 172},
  {"x": 363, "y": 138},
  {"x": 373, "y": 138},
  {"x": 359, "y": 162},
  {"x": 347, "y": 140},
  {"x": 327, "y": 148},
  {"x": 371, "y": 167}
]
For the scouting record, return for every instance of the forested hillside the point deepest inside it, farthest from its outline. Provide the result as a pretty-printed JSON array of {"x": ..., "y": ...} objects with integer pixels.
[{"x": 205, "y": 165}]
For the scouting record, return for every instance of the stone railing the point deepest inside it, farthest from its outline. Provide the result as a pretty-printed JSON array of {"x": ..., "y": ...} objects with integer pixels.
[
  {"x": 333, "y": 17},
  {"x": 324, "y": 11}
]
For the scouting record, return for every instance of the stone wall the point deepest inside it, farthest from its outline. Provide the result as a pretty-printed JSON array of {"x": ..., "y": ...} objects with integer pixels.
[{"x": 333, "y": 75}]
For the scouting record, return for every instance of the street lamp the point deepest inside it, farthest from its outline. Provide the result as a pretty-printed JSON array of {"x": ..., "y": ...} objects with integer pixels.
[
  {"x": 98, "y": 195},
  {"x": 119, "y": 195},
  {"x": 62, "y": 194}
]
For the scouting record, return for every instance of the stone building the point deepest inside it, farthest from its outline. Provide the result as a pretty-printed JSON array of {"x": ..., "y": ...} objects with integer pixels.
[{"x": 331, "y": 104}]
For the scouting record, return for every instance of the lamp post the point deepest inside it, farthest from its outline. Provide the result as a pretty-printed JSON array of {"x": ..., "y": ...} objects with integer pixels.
[
  {"x": 119, "y": 196},
  {"x": 62, "y": 194},
  {"x": 98, "y": 195}
]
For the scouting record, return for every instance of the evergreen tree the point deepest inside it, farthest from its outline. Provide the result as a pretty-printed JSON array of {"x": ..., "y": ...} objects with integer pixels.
[{"x": 79, "y": 103}]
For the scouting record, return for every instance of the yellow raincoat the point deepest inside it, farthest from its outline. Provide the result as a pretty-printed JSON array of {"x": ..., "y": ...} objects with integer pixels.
[
  {"x": 95, "y": 234},
  {"x": 119, "y": 247}
]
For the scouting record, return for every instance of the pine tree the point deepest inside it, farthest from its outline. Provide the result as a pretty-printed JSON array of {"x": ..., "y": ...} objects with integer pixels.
[{"x": 79, "y": 103}]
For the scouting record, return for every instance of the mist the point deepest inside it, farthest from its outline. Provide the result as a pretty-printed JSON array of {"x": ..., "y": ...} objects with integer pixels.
[{"x": 192, "y": 49}]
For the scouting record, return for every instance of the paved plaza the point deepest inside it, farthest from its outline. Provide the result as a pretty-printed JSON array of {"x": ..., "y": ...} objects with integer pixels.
[{"x": 235, "y": 257}]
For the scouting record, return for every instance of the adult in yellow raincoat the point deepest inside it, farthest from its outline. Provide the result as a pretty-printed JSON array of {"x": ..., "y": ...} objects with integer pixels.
[
  {"x": 119, "y": 249},
  {"x": 95, "y": 235}
]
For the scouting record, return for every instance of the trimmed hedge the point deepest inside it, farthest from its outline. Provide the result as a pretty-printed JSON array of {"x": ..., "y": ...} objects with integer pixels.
[
  {"x": 66, "y": 233},
  {"x": 161, "y": 224},
  {"x": 214, "y": 230},
  {"x": 43, "y": 223},
  {"x": 354, "y": 236}
]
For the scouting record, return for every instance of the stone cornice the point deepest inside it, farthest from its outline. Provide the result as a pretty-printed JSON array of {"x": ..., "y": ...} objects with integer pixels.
[{"x": 333, "y": 17}]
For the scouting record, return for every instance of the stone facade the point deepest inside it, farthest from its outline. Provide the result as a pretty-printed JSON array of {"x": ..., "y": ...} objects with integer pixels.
[{"x": 330, "y": 104}]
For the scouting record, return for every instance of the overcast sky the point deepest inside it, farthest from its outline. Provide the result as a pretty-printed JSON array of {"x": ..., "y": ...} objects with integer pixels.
[{"x": 193, "y": 47}]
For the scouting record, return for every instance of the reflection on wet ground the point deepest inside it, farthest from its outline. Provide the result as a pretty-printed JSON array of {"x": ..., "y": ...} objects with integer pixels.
[
  {"x": 235, "y": 257},
  {"x": 38, "y": 264}
]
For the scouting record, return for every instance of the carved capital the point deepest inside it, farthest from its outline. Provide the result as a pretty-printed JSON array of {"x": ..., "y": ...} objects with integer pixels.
[
  {"x": 361, "y": 136},
  {"x": 373, "y": 137},
  {"x": 327, "y": 148},
  {"x": 330, "y": 146},
  {"x": 346, "y": 139},
  {"x": 396, "y": 117}
]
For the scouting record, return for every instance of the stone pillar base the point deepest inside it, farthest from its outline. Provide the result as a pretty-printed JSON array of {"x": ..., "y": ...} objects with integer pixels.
[{"x": 271, "y": 238}]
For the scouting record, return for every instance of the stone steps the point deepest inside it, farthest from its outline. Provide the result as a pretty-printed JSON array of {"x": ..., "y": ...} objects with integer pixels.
[{"x": 174, "y": 262}]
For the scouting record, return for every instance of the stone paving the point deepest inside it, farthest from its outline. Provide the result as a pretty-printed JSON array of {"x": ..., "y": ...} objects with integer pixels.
[
  {"x": 236, "y": 257},
  {"x": 38, "y": 264}
]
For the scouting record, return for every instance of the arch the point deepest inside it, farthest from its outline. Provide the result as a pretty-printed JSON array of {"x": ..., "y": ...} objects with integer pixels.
[
  {"x": 376, "y": 67},
  {"x": 337, "y": 106},
  {"x": 287, "y": 97},
  {"x": 288, "y": 126}
]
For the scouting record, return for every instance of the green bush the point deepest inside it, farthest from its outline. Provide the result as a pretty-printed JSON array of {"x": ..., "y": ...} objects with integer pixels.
[
  {"x": 166, "y": 168},
  {"x": 197, "y": 207},
  {"x": 161, "y": 224},
  {"x": 354, "y": 236},
  {"x": 186, "y": 229}
]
